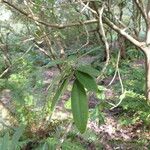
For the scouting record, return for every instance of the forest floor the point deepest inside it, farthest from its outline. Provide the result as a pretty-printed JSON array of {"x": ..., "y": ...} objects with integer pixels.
[{"x": 111, "y": 135}]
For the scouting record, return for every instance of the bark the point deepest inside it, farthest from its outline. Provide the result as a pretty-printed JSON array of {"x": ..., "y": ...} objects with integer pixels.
[
  {"x": 148, "y": 23},
  {"x": 122, "y": 47},
  {"x": 148, "y": 74},
  {"x": 148, "y": 36},
  {"x": 147, "y": 52}
]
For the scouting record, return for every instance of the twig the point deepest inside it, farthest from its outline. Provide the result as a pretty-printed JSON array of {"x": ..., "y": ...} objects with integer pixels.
[
  {"x": 122, "y": 88},
  {"x": 36, "y": 18},
  {"x": 5, "y": 71},
  {"x": 121, "y": 99},
  {"x": 137, "y": 43},
  {"x": 87, "y": 7},
  {"x": 43, "y": 51},
  {"x": 142, "y": 9},
  {"x": 105, "y": 41},
  {"x": 87, "y": 39},
  {"x": 122, "y": 32}
]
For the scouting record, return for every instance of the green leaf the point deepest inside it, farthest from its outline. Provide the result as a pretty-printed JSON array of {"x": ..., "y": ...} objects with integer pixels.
[
  {"x": 58, "y": 93},
  {"x": 79, "y": 106},
  {"x": 86, "y": 80},
  {"x": 89, "y": 70},
  {"x": 16, "y": 136},
  {"x": 4, "y": 145},
  {"x": 45, "y": 146}
]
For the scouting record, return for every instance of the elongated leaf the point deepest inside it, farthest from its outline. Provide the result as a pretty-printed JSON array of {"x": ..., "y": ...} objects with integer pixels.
[
  {"x": 4, "y": 145},
  {"x": 79, "y": 106},
  {"x": 86, "y": 80},
  {"x": 16, "y": 136},
  {"x": 89, "y": 70},
  {"x": 58, "y": 93},
  {"x": 45, "y": 146}
]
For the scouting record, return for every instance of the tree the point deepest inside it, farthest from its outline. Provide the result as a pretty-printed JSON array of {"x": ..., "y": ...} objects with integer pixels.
[{"x": 100, "y": 13}]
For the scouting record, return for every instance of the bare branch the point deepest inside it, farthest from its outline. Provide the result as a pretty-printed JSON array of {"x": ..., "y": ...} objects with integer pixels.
[
  {"x": 142, "y": 9},
  {"x": 87, "y": 7},
  {"x": 43, "y": 51},
  {"x": 5, "y": 72},
  {"x": 148, "y": 28},
  {"x": 58, "y": 26},
  {"x": 102, "y": 31},
  {"x": 141, "y": 45}
]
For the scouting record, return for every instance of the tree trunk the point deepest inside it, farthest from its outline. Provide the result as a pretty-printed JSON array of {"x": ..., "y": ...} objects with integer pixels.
[
  {"x": 121, "y": 42},
  {"x": 148, "y": 74}
]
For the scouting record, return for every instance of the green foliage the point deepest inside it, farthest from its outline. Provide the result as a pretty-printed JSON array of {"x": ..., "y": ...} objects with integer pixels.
[
  {"x": 97, "y": 114},
  {"x": 83, "y": 78},
  {"x": 22, "y": 82},
  {"x": 52, "y": 143},
  {"x": 79, "y": 105},
  {"x": 101, "y": 93},
  {"x": 136, "y": 107},
  {"x": 2, "y": 66},
  {"x": 3, "y": 83},
  {"x": 134, "y": 53},
  {"x": 58, "y": 93},
  {"x": 5, "y": 142},
  {"x": 12, "y": 143},
  {"x": 87, "y": 81},
  {"x": 110, "y": 68},
  {"x": 136, "y": 82},
  {"x": 89, "y": 70}
]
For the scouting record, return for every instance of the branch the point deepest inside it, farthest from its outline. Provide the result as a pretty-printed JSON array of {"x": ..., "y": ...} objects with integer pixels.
[
  {"x": 58, "y": 26},
  {"x": 43, "y": 51},
  {"x": 102, "y": 31},
  {"x": 142, "y": 9},
  {"x": 5, "y": 72},
  {"x": 148, "y": 27},
  {"x": 141, "y": 45}
]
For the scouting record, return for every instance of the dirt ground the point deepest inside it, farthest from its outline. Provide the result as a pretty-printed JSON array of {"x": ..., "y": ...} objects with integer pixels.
[{"x": 111, "y": 134}]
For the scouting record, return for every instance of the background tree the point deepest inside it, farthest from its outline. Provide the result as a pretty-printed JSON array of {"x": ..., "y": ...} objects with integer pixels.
[{"x": 47, "y": 49}]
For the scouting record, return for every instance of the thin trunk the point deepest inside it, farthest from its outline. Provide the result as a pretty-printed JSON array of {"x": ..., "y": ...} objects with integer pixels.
[
  {"x": 148, "y": 36},
  {"x": 147, "y": 75},
  {"x": 148, "y": 23},
  {"x": 147, "y": 53},
  {"x": 121, "y": 42}
]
